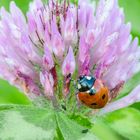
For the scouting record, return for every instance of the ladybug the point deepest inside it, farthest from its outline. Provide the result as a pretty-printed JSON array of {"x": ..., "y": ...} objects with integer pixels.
[{"x": 92, "y": 92}]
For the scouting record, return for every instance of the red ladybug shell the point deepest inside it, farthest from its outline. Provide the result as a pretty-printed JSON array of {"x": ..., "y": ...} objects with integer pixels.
[{"x": 97, "y": 100}]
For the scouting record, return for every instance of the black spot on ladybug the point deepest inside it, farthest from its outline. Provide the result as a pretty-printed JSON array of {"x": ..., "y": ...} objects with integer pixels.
[
  {"x": 85, "y": 131},
  {"x": 103, "y": 96},
  {"x": 93, "y": 104}
]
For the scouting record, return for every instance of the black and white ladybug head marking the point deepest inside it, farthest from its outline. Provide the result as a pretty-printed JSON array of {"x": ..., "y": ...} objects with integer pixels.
[{"x": 85, "y": 83}]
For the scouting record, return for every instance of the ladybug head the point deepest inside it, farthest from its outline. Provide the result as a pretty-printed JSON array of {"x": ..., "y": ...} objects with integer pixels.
[
  {"x": 81, "y": 77},
  {"x": 85, "y": 83}
]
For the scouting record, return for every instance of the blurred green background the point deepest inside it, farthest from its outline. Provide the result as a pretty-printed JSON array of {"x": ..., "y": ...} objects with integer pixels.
[{"x": 119, "y": 125}]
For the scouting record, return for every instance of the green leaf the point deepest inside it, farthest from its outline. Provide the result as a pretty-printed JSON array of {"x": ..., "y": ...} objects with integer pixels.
[
  {"x": 21, "y": 122},
  {"x": 104, "y": 132},
  {"x": 10, "y": 94},
  {"x": 125, "y": 122},
  {"x": 29, "y": 122},
  {"x": 97, "y": 126},
  {"x": 136, "y": 106},
  {"x": 82, "y": 120},
  {"x": 71, "y": 130}
]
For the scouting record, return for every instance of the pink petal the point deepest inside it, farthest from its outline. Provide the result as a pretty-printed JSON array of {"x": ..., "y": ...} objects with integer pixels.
[
  {"x": 48, "y": 83},
  {"x": 56, "y": 40},
  {"x": 17, "y": 15},
  {"x": 69, "y": 26},
  {"x": 47, "y": 59},
  {"x": 68, "y": 66}
]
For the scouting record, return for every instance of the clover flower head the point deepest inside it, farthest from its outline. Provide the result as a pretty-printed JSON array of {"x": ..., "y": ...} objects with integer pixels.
[{"x": 57, "y": 42}]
